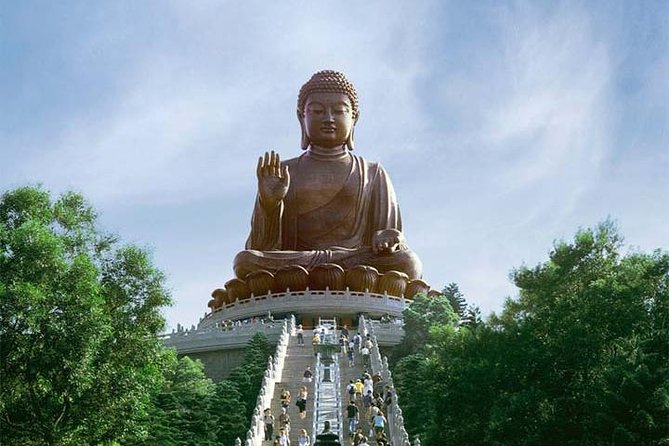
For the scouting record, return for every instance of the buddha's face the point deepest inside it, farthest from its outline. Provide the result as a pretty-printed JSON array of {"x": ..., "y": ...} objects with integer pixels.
[{"x": 328, "y": 119}]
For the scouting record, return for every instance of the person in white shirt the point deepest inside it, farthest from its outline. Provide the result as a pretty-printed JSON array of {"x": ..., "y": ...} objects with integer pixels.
[
  {"x": 300, "y": 335},
  {"x": 365, "y": 356}
]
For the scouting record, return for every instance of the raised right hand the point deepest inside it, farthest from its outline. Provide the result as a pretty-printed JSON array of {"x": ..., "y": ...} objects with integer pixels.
[{"x": 273, "y": 180}]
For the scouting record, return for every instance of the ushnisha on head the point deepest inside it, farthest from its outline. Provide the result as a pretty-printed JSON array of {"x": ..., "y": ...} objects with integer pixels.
[{"x": 327, "y": 81}]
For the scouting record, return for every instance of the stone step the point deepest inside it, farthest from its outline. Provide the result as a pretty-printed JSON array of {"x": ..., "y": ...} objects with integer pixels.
[
  {"x": 297, "y": 358},
  {"x": 347, "y": 374}
]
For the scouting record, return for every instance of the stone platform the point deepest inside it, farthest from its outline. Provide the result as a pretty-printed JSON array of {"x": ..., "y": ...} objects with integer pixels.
[
  {"x": 222, "y": 349},
  {"x": 308, "y": 305}
]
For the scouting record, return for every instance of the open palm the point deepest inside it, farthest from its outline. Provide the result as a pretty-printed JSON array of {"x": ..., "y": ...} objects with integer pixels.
[{"x": 273, "y": 180}]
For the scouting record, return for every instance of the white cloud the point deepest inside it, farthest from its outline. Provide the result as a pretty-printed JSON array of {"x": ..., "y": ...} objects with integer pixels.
[
  {"x": 497, "y": 144},
  {"x": 536, "y": 128},
  {"x": 192, "y": 119}
]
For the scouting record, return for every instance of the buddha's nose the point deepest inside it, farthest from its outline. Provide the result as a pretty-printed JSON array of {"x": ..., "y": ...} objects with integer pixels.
[{"x": 328, "y": 117}]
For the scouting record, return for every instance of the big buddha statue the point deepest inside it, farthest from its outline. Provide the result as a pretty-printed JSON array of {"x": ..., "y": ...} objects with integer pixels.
[{"x": 327, "y": 205}]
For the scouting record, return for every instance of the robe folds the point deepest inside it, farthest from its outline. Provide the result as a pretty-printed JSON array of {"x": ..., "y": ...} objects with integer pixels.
[{"x": 336, "y": 223}]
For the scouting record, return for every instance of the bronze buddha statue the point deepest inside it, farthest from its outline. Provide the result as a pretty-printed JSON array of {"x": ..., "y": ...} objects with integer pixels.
[{"x": 327, "y": 205}]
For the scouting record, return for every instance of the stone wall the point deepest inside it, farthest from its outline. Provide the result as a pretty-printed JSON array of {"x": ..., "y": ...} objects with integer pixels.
[
  {"x": 221, "y": 350},
  {"x": 219, "y": 363}
]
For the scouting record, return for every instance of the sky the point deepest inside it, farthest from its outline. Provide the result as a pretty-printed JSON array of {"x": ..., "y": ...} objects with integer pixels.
[{"x": 505, "y": 126}]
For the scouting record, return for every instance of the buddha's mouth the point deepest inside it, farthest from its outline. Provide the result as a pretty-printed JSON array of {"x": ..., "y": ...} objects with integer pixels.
[{"x": 328, "y": 129}]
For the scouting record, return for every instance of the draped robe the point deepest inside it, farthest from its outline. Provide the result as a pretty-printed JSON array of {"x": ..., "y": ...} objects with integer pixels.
[{"x": 334, "y": 206}]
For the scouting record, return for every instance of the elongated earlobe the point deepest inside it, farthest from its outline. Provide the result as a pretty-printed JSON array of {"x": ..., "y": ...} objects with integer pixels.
[
  {"x": 306, "y": 142},
  {"x": 349, "y": 140},
  {"x": 305, "y": 138}
]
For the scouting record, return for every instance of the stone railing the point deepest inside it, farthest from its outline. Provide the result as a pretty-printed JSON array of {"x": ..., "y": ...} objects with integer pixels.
[
  {"x": 256, "y": 433},
  {"x": 396, "y": 431},
  {"x": 387, "y": 333},
  {"x": 327, "y": 385},
  {"x": 309, "y": 302},
  {"x": 218, "y": 338}
]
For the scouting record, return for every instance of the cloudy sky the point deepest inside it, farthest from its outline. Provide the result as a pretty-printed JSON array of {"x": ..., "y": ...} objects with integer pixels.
[{"x": 504, "y": 125}]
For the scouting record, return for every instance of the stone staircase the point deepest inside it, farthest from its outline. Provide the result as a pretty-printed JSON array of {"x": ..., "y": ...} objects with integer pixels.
[
  {"x": 351, "y": 374},
  {"x": 297, "y": 359}
]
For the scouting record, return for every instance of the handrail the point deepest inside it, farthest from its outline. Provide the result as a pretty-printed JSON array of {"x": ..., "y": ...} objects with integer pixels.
[
  {"x": 340, "y": 416},
  {"x": 312, "y": 301},
  {"x": 232, "y": 326},
  {"x": 205, "y": 339},
  {"x": 396, "y": 431},
  {"x": 327, "y": 396},
  {"x": 317, "y": 390},
  {"x": 273, "y": 372}
]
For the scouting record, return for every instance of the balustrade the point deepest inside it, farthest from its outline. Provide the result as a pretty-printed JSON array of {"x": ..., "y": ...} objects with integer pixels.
[
  {"x": 272, "y": 375},
  {"x": 308, "y": 301},
  {"x": 217, "y": 338},
  {"x": 396, "y": 431},
  {"x": 327, "y": 386}
]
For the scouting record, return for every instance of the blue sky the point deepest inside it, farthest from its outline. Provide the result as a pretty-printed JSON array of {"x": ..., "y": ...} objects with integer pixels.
[{"x": 504, "y": 125}]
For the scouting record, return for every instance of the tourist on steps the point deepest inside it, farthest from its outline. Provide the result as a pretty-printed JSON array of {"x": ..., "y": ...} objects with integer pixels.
[
  {"x": 301, "y": 402},
  {"x": 303, "y": 438},
  {"x": 353, "y": 417},
  {"x": 283, "y": 438},
  {"x": 308, "y": 375},
  {"x": 300, "y": 335},
  {"x": 285, "y": 398},
  {"x": 351, "y": 352},
  {"x": 284, "y": 420},
  {"x": 268, "y": 419},
  {"x": 379, "y": 422}
]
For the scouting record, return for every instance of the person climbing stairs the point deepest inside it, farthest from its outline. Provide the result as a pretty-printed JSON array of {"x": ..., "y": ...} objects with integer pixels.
[{"x": 298, "y": 357}]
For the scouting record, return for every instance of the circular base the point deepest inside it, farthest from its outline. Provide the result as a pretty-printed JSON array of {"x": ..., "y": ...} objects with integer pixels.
[{"x": 309, "y": 304}]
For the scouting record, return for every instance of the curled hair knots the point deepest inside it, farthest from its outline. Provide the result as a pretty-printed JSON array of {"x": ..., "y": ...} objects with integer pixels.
[{"x": 328, "y": 81}]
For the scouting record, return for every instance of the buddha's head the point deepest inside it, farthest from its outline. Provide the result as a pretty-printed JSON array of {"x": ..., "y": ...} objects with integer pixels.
[{"x": 327, "y": 109}]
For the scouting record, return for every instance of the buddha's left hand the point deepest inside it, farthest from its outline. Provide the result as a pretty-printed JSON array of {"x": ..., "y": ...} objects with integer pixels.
[{"x": 387, "y": 241}]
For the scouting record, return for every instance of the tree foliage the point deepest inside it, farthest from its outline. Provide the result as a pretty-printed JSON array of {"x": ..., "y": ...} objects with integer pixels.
[
  {"x": 81, "y": 362},
  {"x": 455, "y": 298},
  {"x": 247, "y": 377},
  {"x": 190, "y": 410},
  {"x": 424, "y": 314},
  {"x": 468, "y": 314},
  {"x": 233, "y": 422},
  {"x": 79, "y": 314},
  {"x": 581, "y": 357}
]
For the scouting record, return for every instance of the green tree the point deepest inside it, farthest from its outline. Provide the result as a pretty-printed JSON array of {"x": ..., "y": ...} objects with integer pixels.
[
  {"x": 472, "y": 317},
  {"x": 79, "y": 315},
  {"x": 455, "y": 298},
  {"x": 233, "y": 421},
  {"x": 415, "y": 387},
  {"x": 425, "y": 322},
  {"x": 594, "y": 324},
  {"x": 247, "y": 377},
  {"x": 579, "y": 358},
  {"x": 182, "y": 412},
  {"x": 189, "y": 409},
  {"x": 423, "y": 315}
]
